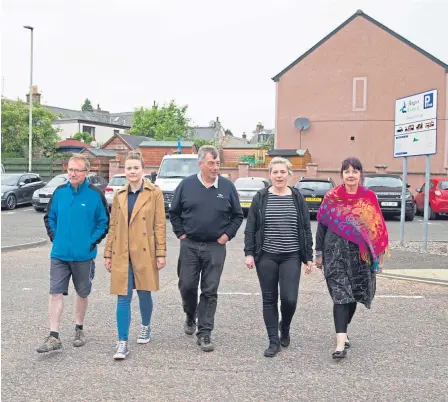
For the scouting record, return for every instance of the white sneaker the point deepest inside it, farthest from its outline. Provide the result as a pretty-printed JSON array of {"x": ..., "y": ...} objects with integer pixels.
[
  {"x": 145, "y": 335},
  {"x": 122, "y": 350}
]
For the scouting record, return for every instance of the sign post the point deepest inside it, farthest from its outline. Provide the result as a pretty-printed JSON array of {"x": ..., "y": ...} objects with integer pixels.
[{"x": 415, "y": 134}]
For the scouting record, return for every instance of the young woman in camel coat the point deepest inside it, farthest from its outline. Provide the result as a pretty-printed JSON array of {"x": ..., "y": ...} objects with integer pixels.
[{"x": 135, "y": 249}]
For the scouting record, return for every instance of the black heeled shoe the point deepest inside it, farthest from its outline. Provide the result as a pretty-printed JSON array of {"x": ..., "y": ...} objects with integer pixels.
[
  {"x": 339, "y": 354},
  {"x": 347, "y": 344}
]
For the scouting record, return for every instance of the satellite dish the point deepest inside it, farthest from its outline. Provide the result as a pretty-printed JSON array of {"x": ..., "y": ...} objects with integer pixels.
[{"x": 302, "y": 123}]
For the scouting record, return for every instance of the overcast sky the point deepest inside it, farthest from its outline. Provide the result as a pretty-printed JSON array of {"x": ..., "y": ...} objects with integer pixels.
[{"x": 216, "y": 56}]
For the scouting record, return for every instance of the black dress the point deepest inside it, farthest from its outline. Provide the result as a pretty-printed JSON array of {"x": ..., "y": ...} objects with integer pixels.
[{"x": 349, "y": 278}]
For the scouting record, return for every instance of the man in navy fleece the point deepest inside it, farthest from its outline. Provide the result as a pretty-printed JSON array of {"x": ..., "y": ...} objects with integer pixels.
[{"x": 205, "y": 214}]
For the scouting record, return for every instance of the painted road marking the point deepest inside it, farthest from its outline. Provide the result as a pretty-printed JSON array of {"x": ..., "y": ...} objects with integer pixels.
[
  {"x": 399, "y": 297},
  {"x": 8, "y": 213}
]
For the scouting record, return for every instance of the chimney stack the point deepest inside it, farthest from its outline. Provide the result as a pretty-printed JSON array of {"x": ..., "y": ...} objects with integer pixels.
[{"x": 36, "y": 95}]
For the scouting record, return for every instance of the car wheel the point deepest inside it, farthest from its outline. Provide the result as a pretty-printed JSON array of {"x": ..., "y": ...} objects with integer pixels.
[
  {"x": 39, "y": 209},
  {"x": 11, "y": 201},
  {"x": 431, "y": 214},
  {"x": 410, "y": 216}
]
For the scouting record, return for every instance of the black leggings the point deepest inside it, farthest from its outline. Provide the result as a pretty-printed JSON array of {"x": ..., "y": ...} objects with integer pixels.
[
  {"x": 343, "y": 314},
  {"x": 274, "y": 270}
]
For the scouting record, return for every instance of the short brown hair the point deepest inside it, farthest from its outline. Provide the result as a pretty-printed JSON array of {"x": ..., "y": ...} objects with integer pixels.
[
  {"x": 137, "y": 156},
  {"x": 81, "y": 157}
]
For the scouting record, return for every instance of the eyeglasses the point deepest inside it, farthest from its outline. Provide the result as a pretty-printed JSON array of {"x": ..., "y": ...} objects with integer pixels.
[{"x": 76, "y": 170}]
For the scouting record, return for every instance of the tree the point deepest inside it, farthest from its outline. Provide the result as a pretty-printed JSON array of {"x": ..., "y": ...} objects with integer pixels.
[
  {"x": 84, "y": 137},
  {"x": 269, "y": 144},
  {"x": 15, "y": 129},
  {"x": 228, "y": 132},
  {"x": 199, "y": 142},
  {"x": 162, "y": 123},
  {"x": 87, "y": 106}
]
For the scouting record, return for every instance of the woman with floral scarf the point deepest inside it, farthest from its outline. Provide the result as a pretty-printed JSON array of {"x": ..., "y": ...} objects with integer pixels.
[{"x": 351, "y": 241}]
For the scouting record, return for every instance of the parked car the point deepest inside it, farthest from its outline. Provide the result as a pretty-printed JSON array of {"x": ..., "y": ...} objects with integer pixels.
[
  {"x": 388, "y": 188},
  {"x": 438, "y": 197},
  {"x": 247, "y": 187},
  {"x": 117, "y": 181},
  {"x": 18, "y": 188},
  {"x": 42, "y": 197},
  {"x": 313, "y": 190}
]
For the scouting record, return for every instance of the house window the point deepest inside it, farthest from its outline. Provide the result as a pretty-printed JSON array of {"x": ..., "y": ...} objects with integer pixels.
[
  {"x": 359, "y": 98},
  {"x": 116, "y": 132},
  {"x": 89, "y": 130}
]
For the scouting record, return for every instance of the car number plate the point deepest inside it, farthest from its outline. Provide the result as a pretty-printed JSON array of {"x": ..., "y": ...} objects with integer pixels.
[
  {"x": 311, "y": 199},
  {"x": 389, "y": 204},
  {"x": 245, "y": 204},
  {"x": 44, "y": 200}
]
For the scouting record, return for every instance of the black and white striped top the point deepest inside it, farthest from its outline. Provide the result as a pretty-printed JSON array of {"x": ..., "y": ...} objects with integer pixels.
[{"x": 281, "y": 221}]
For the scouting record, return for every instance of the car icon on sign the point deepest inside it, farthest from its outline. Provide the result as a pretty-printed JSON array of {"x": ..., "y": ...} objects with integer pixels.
[{"x": 400, "y": 130}]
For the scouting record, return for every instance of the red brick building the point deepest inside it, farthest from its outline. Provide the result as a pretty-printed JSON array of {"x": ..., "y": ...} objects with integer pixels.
[{"x": 346, "y": 85}]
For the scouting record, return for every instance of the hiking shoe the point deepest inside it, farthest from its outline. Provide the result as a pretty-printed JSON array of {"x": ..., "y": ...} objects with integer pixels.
[
  {"x": 205, "y": 343},
  {"x": 272, "y": 350},
  {"x": 190, "y": 325},
  {"x": 50, "y": 343},
  {"x": 122, "y": 350},
  {"x": 79, "y": 339},
  {"x": 145, "y": 335}
]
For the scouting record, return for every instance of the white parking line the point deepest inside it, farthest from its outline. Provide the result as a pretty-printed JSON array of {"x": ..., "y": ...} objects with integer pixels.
[
  {"x": 8, "y": 213},
  {"x": 399, "y": 297}
]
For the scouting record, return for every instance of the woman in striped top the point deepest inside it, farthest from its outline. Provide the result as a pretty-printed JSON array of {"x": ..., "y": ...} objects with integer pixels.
[{"x": 277, "y": 241}]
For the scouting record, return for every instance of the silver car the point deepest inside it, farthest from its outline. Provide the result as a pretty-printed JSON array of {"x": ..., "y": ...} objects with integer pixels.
[
  {"x": 116, "y": 182},
  {"x": 247, "y": 187}
]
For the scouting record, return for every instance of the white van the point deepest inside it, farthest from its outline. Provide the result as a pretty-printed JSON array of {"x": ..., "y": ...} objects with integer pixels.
[{"x": 172, "y": 170}]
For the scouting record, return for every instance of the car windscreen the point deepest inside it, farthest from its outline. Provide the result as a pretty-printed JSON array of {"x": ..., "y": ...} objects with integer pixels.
[
  {"x": 383, "y": 181},
  {"x": 57, "y": 181},
  {"x": 443, "y": 185},
  {"x": 10, "y": 179},
  {"x": 314, "y": 185},
  {"x": 178, "y": 168},
  {"x": 244, "y": 184},
  {"x": 118, "y": 181}
]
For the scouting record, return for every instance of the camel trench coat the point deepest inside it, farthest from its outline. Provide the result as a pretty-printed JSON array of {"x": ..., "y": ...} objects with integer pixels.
[{"x": 143, "y": 240}]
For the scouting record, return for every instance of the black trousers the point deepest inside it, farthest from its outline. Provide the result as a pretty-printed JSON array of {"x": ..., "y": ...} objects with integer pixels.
[
  {"x": 204, "y": 262},
  {"x": 274, "y": 271},
  {"x": 343, "y": 314}
]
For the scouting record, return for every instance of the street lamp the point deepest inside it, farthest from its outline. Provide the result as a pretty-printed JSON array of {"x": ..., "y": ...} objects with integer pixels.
[{"x": 30, "y": 128}]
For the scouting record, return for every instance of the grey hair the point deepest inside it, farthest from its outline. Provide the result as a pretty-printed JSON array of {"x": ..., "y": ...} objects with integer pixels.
[
  {"x": 277, "y": 161},
  {"x": 81, "y": 157},
  {"x": 207, "y": 149}
]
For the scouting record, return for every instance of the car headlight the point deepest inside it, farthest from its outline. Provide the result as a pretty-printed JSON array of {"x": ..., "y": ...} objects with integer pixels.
[
  {"x": 408, "y": 196},
  {"x": 36, "y": 194}
]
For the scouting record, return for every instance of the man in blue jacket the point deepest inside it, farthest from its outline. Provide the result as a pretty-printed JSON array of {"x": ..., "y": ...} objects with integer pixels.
[{"x": 76, "y": 221}]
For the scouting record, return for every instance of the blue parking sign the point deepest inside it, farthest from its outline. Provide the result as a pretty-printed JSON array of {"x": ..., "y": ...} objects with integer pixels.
[{"x": 428, "y": 100}]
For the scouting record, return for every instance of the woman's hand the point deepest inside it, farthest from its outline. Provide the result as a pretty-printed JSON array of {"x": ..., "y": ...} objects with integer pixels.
[
  {"x": 161, "y": 262},
  {"x": 308, "y": 267},
  {"x": 108, "y": 264},
  {"x": 250, "y": 262},
  {"x": 318, "y": 262}
]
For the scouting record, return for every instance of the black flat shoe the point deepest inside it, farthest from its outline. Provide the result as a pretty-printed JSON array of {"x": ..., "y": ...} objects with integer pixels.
[
  {"x": 339, "y": 354},
  {"x": 272, "y": 350}
]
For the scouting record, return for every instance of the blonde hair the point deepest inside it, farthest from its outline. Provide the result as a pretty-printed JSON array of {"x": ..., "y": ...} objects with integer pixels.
[
  {"x": 283, "y": 161},
  {"x": 82, "y": 158},
  {"x": 137, "y": 156}
]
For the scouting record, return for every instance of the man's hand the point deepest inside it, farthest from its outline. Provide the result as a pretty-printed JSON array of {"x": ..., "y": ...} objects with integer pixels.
[
  {"x": 308, "y": 267},
  {"x": 318, "y": 262},
  {"x": 250, "y": 262},
  {"x": 108, "y": 264},
  {"x": 223, "y": 239},
  {"x": 182, "y": 237},
  {"x": 161, "y": 262}
]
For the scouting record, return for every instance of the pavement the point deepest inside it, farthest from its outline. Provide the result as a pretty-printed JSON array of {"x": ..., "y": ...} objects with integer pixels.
[{"x": 396, "y": 355}]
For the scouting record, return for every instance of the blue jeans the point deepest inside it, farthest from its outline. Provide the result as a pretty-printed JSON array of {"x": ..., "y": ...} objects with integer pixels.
[{"x": 124, "y": 308}]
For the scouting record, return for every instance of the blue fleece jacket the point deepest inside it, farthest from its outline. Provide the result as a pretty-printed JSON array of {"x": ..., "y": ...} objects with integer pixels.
[{"x": 76, "y": 221}]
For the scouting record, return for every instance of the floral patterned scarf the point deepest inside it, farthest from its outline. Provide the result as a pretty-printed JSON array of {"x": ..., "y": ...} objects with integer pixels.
[{"x": 358, "y": 219}]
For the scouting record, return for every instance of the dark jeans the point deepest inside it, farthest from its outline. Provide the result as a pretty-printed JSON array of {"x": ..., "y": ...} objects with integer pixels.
[
  {"x": 204, "y": 260},
  {"x": 274, "y": 270}
]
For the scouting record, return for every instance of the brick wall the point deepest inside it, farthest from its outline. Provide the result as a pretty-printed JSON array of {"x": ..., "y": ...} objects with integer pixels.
[{"x": 153, "y": 155}]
